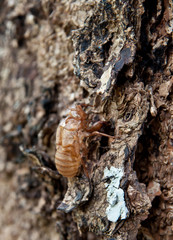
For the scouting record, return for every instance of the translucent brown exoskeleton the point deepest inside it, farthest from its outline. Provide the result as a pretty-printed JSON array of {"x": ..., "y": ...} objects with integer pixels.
[{"x": 70, "y": 146}]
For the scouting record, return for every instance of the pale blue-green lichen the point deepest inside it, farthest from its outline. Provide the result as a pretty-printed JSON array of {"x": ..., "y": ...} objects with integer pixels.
[{"x": 115, "y": 196}]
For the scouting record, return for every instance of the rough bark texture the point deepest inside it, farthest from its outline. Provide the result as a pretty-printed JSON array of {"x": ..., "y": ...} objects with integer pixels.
[{"x": 117, "y": 57}]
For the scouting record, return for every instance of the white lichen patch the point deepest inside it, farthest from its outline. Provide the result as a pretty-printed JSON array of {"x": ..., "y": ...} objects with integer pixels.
[{"x": 117, "y": 207}]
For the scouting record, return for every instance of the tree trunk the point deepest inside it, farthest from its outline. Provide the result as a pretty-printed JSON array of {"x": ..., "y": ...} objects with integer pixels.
[{"x": 113, "y": 58}]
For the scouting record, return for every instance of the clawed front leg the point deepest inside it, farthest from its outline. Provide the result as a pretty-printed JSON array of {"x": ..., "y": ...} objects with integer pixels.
[
  {"x": 101, "y": 134},
  {"x": 94, "y": 130},
  {"x": 96, "y": 126}
]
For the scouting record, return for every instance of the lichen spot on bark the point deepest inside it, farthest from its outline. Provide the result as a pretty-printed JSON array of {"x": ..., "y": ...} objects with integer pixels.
[{"x": 116, "y": 209}]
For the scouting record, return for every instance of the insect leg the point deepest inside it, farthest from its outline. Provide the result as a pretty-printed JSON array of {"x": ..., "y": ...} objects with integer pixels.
[
  {"x": 86, "y": 105},
  {"x": 94, "y": 129},
  {"x": 96, "y": 126},
  {"x": 101, "y": 134}
]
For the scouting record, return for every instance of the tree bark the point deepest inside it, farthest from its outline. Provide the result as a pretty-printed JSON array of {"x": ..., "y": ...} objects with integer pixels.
[{"x": 115, "y": 57}]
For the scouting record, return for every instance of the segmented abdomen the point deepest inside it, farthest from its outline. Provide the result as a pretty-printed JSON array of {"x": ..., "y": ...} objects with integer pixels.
[{"x": 67, "y": 164}]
